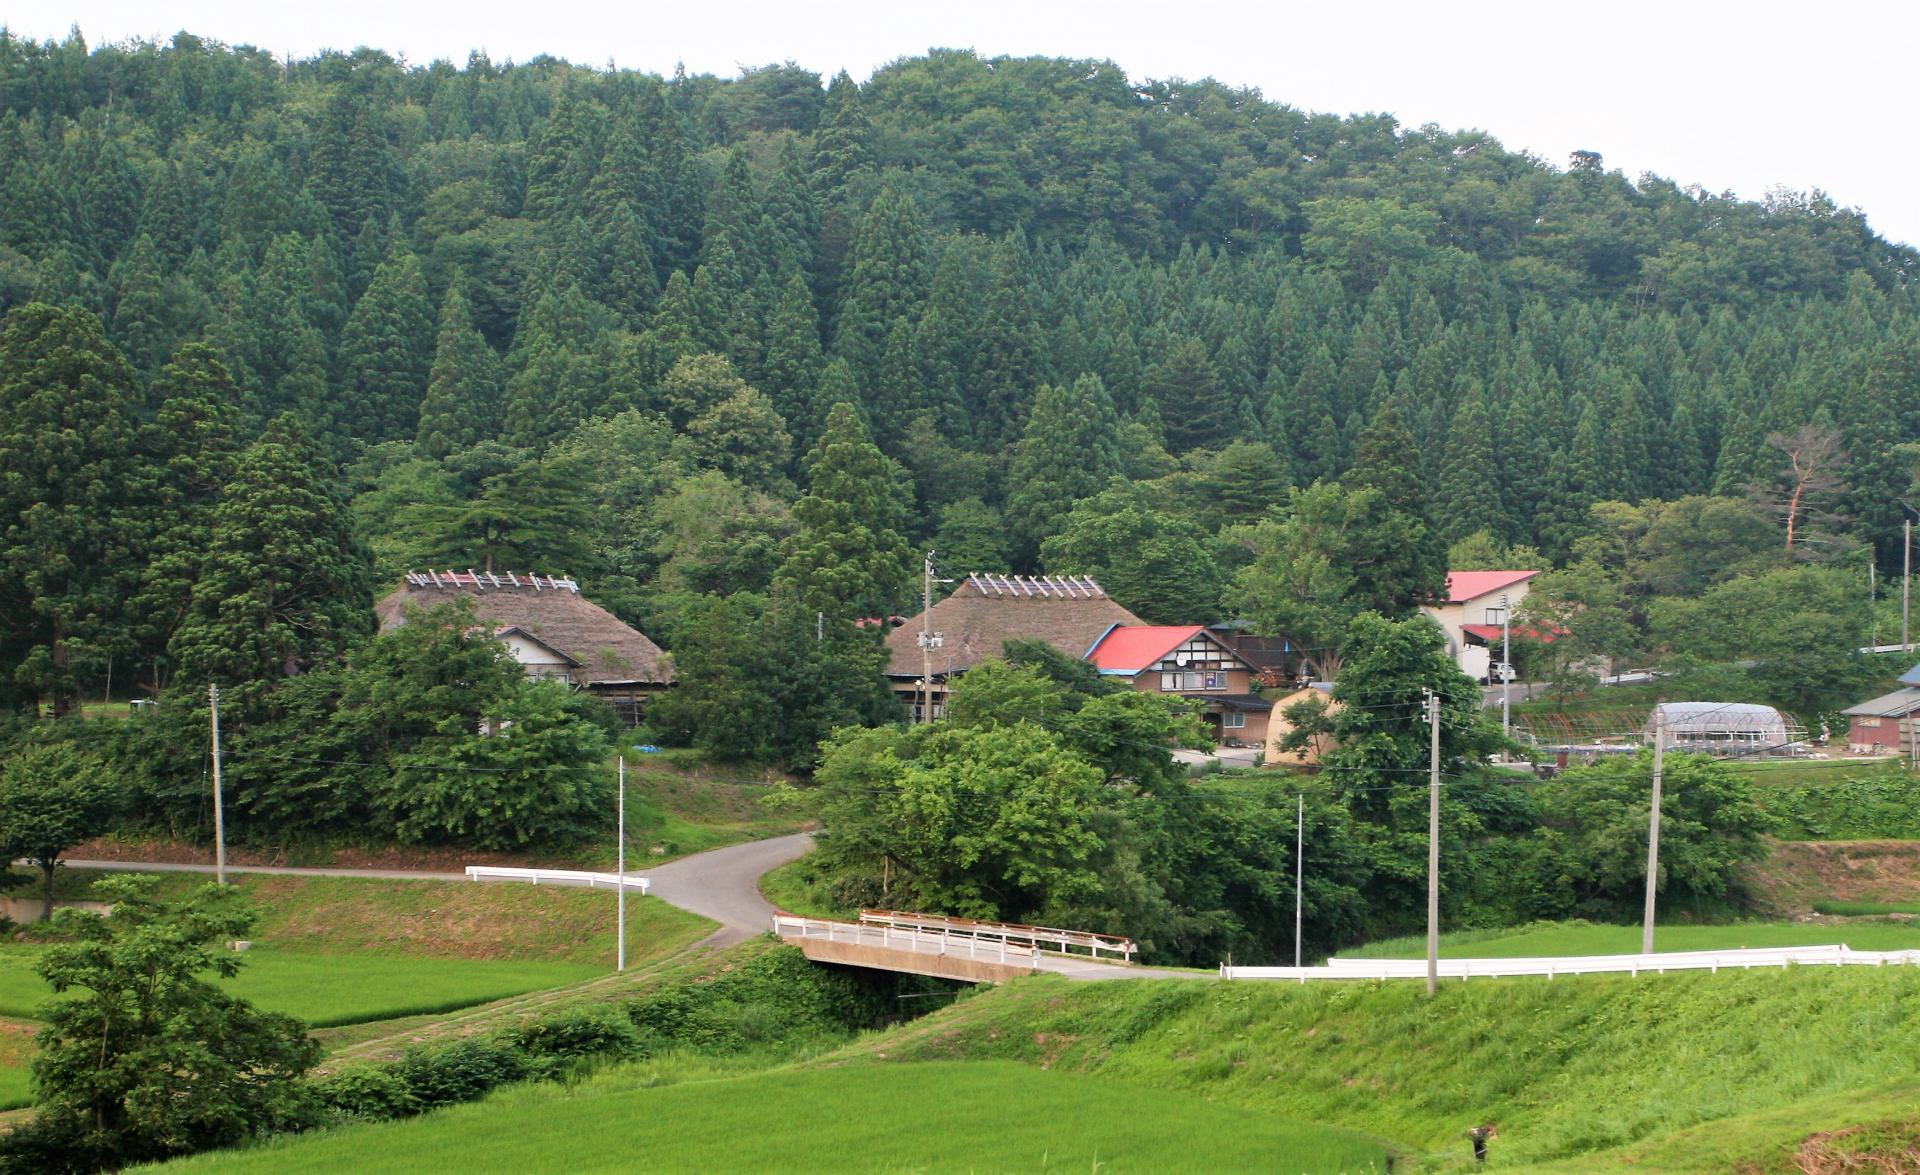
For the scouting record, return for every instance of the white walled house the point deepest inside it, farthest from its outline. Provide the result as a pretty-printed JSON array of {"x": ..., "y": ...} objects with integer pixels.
[
  {"x": 539, "y": 659},
  {"x": 1472, "y": 614}
]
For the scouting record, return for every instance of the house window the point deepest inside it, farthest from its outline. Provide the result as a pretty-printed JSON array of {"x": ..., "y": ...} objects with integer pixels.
[
  {"x": 1233, "y": 720},
  {"x": 1496, "y": 615},
  {"x": 1866, "y": 722},
  {"x": 1169, "y": 681}
]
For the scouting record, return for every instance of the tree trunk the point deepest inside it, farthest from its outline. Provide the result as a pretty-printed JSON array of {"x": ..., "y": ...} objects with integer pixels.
[{"x": 46, "y": 867}]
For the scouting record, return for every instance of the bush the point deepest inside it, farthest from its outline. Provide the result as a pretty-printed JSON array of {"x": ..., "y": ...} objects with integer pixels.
[
  {"x": 596, "y": 1030},
  {"x": 371, "y": 1093},
  {"x": 1874, "y": 807},
  {"x": 460, "y": 1072}
]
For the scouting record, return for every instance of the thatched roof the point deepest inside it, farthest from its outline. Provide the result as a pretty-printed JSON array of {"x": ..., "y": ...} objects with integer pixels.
[
  {"x": 987, "y": 611},
  {"x": 607, "y": 649}
]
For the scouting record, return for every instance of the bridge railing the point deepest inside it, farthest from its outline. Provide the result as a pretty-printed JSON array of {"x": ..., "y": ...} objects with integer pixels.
[
  {"x": 573, "y": 877},
  {"x": 1551, "y": 966},
  {"x": 907, "y": 938},
  {"x": 1040, "y": 938}
]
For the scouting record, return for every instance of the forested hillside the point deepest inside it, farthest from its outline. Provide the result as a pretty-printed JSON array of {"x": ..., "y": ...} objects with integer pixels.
[{"x": 280, "y": 330}]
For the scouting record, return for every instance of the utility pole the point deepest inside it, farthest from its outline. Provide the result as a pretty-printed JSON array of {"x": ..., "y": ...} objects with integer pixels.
[
  {"x": 1506, "y": 667},
  {"x": 1433, "y": 843},
  {"x": 929, "y": 640},
  {"x": 1299, "y": 872},
  {"x": 620, "y": 859},
  {"x": 1907, "y": 578},
  {"x": 219, "y": 820},
  {"x": 1653, "y": 827}
]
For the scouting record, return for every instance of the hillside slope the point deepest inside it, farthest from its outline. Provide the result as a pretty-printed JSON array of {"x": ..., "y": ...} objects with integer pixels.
[{"x": 1564, "y": 1069}]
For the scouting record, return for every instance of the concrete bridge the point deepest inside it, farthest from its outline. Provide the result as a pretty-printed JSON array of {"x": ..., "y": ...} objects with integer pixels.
[{"x": 962, "y": 949}]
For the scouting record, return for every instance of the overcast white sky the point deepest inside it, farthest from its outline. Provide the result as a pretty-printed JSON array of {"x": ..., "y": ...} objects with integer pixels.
[{"x": 1740, "y": 96}]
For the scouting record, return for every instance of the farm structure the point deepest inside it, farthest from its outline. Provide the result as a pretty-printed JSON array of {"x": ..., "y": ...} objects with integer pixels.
[
  {"x": 549, "y": 627},
  {"x": 1884, "y": 725},
  {"x": 1727, "y": 729},
  {"x": 1071, "y": 613},
  {"x": 1723, "y": 729}
]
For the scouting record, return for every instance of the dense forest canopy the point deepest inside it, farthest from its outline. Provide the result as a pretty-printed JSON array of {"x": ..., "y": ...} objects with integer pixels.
[{"x": 299, "y": 325}]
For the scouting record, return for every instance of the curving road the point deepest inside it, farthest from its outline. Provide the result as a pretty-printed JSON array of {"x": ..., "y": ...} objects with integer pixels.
[
  {"x": 724, "y": 885},
  {"x": 721, "y": 884}
]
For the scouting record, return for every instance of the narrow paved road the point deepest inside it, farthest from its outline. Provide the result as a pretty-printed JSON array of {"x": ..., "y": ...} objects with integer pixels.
[
  {"x": 166, "y": 867},
  {"x": 721, "y": 884},
  {"x": 724, "y": 885}
]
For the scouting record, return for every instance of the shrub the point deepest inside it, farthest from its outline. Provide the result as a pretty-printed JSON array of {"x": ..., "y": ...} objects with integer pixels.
[
  {"x": 460, "y": 1072},
  {"x": 596, "y": 1030},
  {"x": 369, "y": 1092}
]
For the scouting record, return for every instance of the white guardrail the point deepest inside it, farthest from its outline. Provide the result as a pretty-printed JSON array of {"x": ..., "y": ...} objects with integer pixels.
[
  {"x": 574, "y": 877},
  {"x": 904, "y": 938},
  {"x": 1040, "y": 938},
  {"x": 1659, "y": 963}
]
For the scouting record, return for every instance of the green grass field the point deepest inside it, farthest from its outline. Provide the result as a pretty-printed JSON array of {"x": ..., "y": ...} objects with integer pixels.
[
  {"x": 1794, "y": 772},
  {"x": 1579, "y": 938},
  {"x": 928, "y": 1117},
  {"x": 1566, "y": 1069},
  {"x": 1865, "y": 909},
  {"x": 16, "y": 1049},
  {"x": 327, "y": 989},
  {"x": 336, "y": 951}
]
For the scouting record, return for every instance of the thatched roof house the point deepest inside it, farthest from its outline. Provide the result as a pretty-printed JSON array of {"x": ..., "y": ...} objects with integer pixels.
[
  {"x": 1071, "y": 613},
  {"x": 615, "y": 659}
]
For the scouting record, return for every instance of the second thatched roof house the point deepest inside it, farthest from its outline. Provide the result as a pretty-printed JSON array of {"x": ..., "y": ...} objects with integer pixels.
[
  {"x": 537, "y": 616},
  {"x": 1069, "y": 612}
]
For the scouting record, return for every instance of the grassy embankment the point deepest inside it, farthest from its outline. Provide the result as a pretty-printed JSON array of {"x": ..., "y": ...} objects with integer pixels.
[
  {"x": 1581, "y": 938},
  {"x": 1698, "y": 1072},
  {"x": 351, "y": 951},
  {"x": 992, "y": 1116},
  {"x": 335, "y": 950}
]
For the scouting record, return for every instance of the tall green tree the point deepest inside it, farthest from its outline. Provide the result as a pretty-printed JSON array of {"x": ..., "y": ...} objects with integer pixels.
[
  {"x": 1163, "y": 568},
  {"x": 286, "y": 583},
  {"x": 385, "y": 351},
  {"x": 462, "y": 403},
  {"x": 146, "y": 1058},
  {"x": 850, "y": 558},
  {"x": 73, "y": 526},
  {"x": 1069, "y": 450}
]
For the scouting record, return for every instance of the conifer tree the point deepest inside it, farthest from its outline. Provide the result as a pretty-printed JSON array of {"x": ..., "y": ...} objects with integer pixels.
[
  {"x": 285, "y": 585},
  {"x": 462, "y": 404},
  {"x": 385, "y": 354},
  {"x": 842, "y": 167},
  {"x": 1181, "y": 383},
  {"x": 1577, "y": 480},
  {"x": 195, "y": 435},
  {"x": 849, "y": 559},
  {"x": 73, "y": 530},
  {"x": 887, "y": 278},
  {"x": 142, "y": 325},
  {"x": 791, "y": 366},
  {"x": 1467, "y": 498},
  {"x": 1069, "y": 451}
]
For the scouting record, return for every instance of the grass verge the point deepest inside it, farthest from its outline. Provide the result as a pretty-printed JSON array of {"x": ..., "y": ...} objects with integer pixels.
[
  {"x": 1563, "y": 1068},
  {"x": 331, "y": 989},
  {"x": 1865, "y": 909},
  {"x": 1582, "y": 938},
  {"x": 925, "y": 1117}
]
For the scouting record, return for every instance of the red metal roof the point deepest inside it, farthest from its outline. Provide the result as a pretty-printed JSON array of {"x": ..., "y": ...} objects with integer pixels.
[
  {"x": 1129, "y": 648},
  {"x": 1490, "y": 633},
  {"x": 1471, "y": 585}
]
